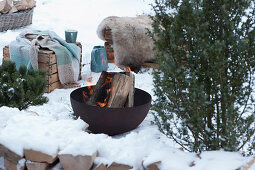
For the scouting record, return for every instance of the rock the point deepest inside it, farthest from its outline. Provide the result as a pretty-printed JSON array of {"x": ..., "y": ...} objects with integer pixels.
[
  {"x": 115, "y": 166},
  {"x": 10, "y": 155},
  {"x": 13, "y": 166},
  {"x": 100, "y": 167},
  {"x": 70, "y": 162},
  {"x": 37, "y": 156},
  {"x": 36, "y": 165},
  {"x": 153, "y": 166}
]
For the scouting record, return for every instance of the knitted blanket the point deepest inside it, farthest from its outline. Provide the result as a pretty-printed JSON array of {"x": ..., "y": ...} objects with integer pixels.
[{"x": 24, "y": 51}]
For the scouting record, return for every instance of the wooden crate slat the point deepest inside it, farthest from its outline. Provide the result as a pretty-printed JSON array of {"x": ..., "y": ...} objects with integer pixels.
[
  {"x": 150, "y": 65},
  {"x": 79, "y": 44},
  {"x": 44, "y": 56},
  {"x": 52, "y": 78},
  {"x": 50, "y": 69},
  {"x": 45, "y": 51},
  {"x": 53, "y": 86},
  {"x": 108, "y": 35},
  {"x": 109, "y": 52},
  {"x": 47, "y": 58}
]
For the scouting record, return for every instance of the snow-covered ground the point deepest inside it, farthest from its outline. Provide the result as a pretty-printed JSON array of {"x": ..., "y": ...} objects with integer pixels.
[{"x": 51, "y": 127}]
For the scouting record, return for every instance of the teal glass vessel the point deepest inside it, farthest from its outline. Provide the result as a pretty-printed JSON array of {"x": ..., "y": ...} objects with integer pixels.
[{"x": 99, "y": 61}]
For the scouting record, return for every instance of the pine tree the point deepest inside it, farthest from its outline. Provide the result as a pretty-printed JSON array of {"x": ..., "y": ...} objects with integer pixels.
[
  {"x": 21, "y": 88},
  {"x": 205, "y": 81}
]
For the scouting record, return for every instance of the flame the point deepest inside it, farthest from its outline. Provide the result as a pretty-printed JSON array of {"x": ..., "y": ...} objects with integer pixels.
[
  {"x": 102, "y": 102},
  {"x": 127, "y": 69},
  {"x": 87, "y": 95},
  {"x": 107, "y": 86},
  {"x": 89, "y": 80}
]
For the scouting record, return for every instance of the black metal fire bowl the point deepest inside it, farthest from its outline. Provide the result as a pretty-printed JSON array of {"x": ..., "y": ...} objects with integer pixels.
[{"x": 111, "y": 121}]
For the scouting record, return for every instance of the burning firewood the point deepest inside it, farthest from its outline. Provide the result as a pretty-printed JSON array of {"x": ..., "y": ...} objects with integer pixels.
[
  {"x": 113, "y": 90},
  {"x": 130, "y": 100},
  {"x": 120, "y": 89},
  {"x": 98, "y": 89}
]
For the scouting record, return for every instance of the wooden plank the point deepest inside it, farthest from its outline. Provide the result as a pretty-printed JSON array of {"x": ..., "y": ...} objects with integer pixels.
[
  {"x": 6, "y": 55},
  {"x": 111, "y": 61},
  {"x": 50, "y": 69},
  {"x": 45, "y": 51},
  {"x": 52, "y": 78},
  {"x": 150, "y": 65},
  {"x": 47, "y": 58},
  {"x": 44, "y": 56},
  {"x": 108, "y": 34},
  {"x": 109, "y": 52},
  {"x": 53, "y": 86},
  {"x": 79, "y": 44}
]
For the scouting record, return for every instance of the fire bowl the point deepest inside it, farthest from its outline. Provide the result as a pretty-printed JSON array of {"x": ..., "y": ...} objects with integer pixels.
[{"x": 111, "y": 121}]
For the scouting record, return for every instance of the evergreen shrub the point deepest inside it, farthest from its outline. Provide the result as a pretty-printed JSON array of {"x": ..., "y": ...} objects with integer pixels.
[
  {"x": 205, "y": 81},
  {"x": 21, "y": 88}
]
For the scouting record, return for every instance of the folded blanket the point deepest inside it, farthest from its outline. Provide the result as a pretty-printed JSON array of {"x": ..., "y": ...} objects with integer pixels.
[{"x": 68, "y": 54}]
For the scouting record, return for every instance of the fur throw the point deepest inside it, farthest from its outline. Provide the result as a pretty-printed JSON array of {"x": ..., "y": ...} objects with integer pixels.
[{"x": 132, "y": 47}]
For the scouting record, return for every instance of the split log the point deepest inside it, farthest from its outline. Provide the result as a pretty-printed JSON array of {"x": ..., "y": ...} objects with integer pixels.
[
  {"x": 131, "y": 93},
  {"x": 98, "y": 89},
  {"x": 38, "y": 156},
  {"x": 79, "y": 162},
  {"x": 116, "y": 166},
  {"x": 5, "y": 7},
  {"x": 36, "y": 165},
  {"x": 248, "y": 165},
  {"x": 10, "y": 155},
  {"x": 121, "y": 84}
]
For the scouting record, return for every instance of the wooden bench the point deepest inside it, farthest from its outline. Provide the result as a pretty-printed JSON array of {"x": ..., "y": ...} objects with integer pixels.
[{"x": 47, "y": 61}]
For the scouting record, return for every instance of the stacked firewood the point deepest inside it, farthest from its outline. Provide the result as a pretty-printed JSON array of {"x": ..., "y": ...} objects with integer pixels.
[{"x": 11, "y": 6}]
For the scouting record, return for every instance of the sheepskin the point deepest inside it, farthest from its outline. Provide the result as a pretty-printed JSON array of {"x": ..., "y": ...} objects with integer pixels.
[{"x": 132, "y": 47}]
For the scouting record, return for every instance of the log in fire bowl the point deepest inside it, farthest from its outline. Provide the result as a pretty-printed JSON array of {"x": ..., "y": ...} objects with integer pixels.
[{"x": 111, "y": 121}]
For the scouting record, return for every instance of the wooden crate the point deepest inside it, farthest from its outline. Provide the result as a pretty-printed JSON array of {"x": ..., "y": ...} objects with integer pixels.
[
  {"x": 47, "y": 61},
  {"x": 109, "y": 45},
  {"x": 109, "y": 52}
]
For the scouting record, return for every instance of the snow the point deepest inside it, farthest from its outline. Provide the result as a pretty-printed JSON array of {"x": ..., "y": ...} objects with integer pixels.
[
  {"x": 212, "y": 159},
  {"x": 51, "y": 127}
]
